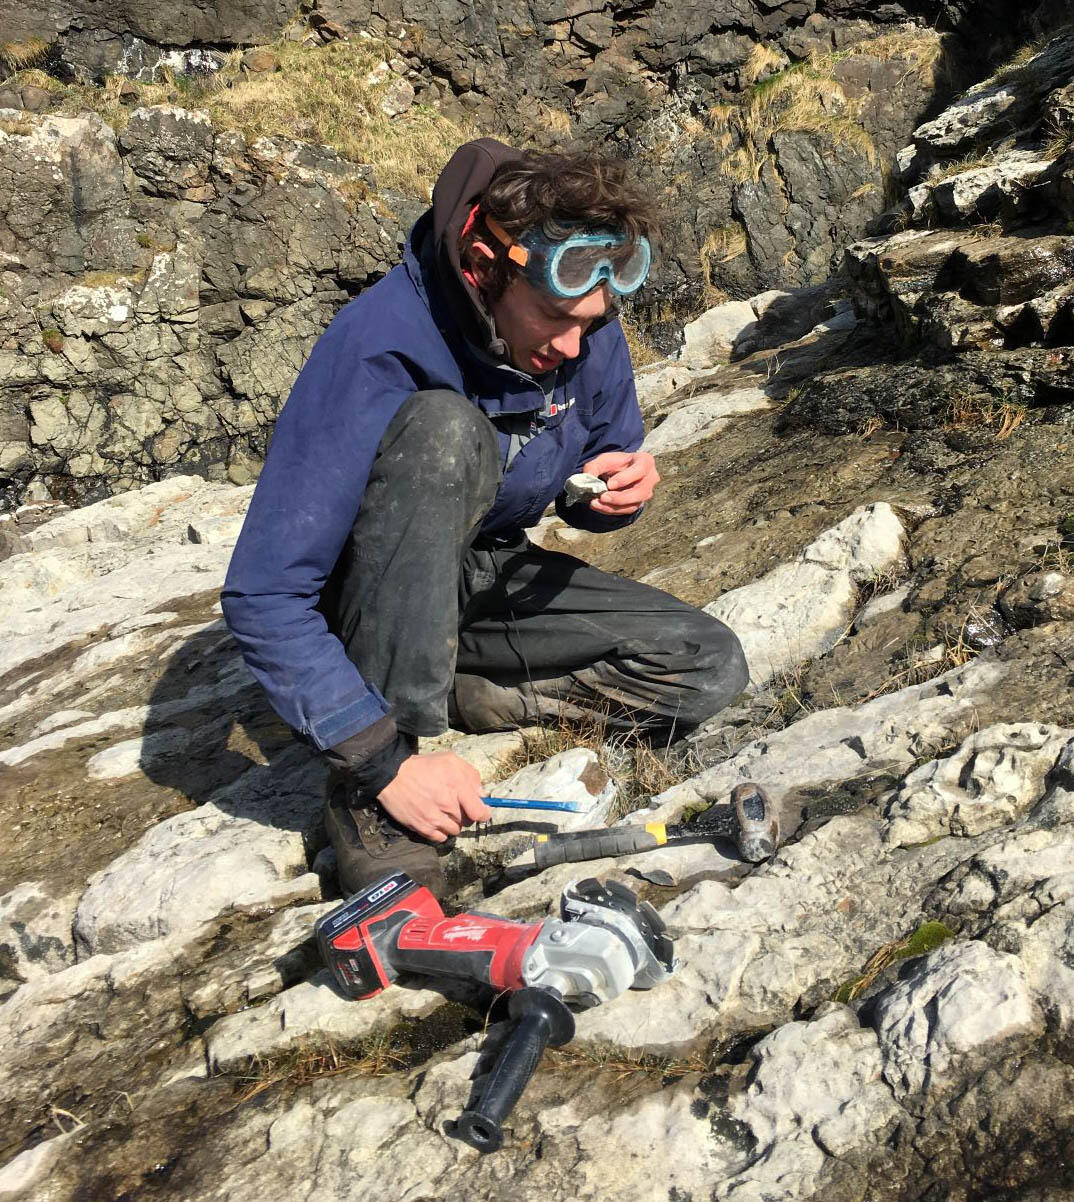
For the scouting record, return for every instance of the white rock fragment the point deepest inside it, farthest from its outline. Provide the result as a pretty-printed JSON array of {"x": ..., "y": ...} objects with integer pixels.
[
  {"x": 216, "y": 529},
  {"x": 961, "y": 1002},
  {"x": 583, "y": 487},
  {"x": 800, "y": 609},
  {"x": 701, "y": 417},
  {"x": 708, "y": 340},
  {"x": 878, "y": 606},
  {"x": 25, "y": 1175}
]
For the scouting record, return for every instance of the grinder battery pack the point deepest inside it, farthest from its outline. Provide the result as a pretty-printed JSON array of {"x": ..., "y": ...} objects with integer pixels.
[{"x": 604, "y": 942}]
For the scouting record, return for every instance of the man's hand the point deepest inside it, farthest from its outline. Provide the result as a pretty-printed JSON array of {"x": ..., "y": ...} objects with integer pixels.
[
  {"x": 435, "y": 795},
  {"x": 630, "y": 476}
]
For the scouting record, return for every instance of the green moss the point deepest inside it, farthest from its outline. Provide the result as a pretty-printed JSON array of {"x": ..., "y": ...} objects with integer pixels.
[
  {"x": 52, "y": 339},
  {"x": 924, "y": 939}
]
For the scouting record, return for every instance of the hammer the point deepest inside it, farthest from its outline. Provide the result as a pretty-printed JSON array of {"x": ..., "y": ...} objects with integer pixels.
[{"x": 749, "y": 819}]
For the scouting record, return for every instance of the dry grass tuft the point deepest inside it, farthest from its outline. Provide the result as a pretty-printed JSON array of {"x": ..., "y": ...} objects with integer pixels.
[
  {"x": 1059, "y": 139},
  {"x": 763, "y": 62},
  {"x": 320, "y": 94},
  {"x": 19, "y": 55},
  {"x": 721, "y": 245},
  {"x": 916, "y": 668},
  {"x": 642, "y": 351},
  {"x": 973, "y": 410},
  {"x": 622, "y": 1064},
  {"x": 802, "y": 97},
  {"x": 376, "y": 1057},
  {"x": 808, "y": 97}
]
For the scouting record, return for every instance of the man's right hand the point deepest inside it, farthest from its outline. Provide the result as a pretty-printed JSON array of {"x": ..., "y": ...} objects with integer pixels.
[{"x": 435, "y": 795}]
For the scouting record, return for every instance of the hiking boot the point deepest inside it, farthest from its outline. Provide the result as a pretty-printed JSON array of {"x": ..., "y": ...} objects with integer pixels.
[{"x": 369, "y": 843}]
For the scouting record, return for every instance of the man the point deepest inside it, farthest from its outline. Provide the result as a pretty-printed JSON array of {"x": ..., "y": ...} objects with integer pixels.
[{"x": 383, "y": 584}]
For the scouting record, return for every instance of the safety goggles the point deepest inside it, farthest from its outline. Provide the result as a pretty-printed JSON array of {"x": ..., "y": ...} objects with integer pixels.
[{"x": 576, "y": 264}]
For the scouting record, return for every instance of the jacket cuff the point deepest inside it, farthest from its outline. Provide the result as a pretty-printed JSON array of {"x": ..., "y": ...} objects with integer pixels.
[
  {"x": 371, "y": 758},
  {"x": 581, "y": 517}
]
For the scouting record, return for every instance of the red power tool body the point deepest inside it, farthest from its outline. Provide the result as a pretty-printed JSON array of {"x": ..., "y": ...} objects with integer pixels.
[
  {"x": 398, "y": 926},
  {"x": 604, "y": 942}
]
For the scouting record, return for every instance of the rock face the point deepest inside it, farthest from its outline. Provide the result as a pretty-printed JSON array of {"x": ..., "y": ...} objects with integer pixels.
[
  {"x": 883, "y": 1010},
  {"x": 182, "y": 271},
  {"x": 157, "y": 316},
  {"x": 992, "y": 168}
]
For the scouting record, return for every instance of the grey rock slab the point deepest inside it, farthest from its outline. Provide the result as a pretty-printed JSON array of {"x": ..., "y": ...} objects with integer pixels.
[
  {"x": 26, "y": 1176},
  {"x": 702, "y": 417},
  {"x": 308, "y": 1011},
  {"x": 244, "y": 847},
  {"x": 35, "y": 933},
  {"x": 279, "y": 952},
  {"x": 1047, "y": 951},
  {"x": 816, "y": 1087},
  {"x": 709, "y": 339},
  {"x": 981, "y": 193},
  {"x": 820, "y": 752},
  {"x": 993, "y": 779},
  {"x": 786, "y": 936},
  {"x": 888, "y": 735},
  {"x": 130, "y": 755},
  {"x": 962, "y": 1003},
  {"x": 797, "y": 611}
]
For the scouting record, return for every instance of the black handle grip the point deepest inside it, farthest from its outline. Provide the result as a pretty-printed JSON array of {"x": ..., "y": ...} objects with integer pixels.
[
  {"x": 542, "y": 1019},
  {"x": 593, "y": 845}
]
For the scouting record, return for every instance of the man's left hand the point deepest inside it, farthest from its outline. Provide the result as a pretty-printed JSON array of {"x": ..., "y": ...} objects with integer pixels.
[{"x": 631, "y": 477}]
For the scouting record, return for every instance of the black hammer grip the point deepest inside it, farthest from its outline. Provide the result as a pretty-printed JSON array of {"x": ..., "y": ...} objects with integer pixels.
[
  {"x": 542, "y": 1019},
  {"x": 595, "y": 845}
]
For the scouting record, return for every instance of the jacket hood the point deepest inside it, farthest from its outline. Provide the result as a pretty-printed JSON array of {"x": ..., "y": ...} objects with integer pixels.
[{"x": 458, "y": 189}]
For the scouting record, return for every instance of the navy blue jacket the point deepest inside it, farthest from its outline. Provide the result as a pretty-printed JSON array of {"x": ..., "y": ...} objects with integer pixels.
[{"x": 398, "y": 337}]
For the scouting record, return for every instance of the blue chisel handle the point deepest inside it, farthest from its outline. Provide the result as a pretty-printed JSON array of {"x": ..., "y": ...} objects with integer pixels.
[{"x": 516, "y": 803}]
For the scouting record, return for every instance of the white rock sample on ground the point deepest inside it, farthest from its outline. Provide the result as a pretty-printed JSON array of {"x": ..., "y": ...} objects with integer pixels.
[
  {"x": 962, "y": 1000},
  {"x": 701, "y": 417},
  {"x": 573, "y": 776},
  {"x": 800, "y": 609}
]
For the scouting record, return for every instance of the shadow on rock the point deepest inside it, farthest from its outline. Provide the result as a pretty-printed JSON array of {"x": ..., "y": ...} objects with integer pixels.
[{"x": 211, "y": 734}]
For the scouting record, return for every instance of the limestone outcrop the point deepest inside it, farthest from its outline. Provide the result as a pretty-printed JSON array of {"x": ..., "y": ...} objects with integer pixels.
[{"x": 883, "y": 510}]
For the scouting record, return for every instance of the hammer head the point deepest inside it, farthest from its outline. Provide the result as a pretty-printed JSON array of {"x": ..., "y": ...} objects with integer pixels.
[{"x": 757, "y": 822}]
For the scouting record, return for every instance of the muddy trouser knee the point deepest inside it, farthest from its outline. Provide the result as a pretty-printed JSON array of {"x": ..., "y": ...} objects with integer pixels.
[
  {"x": 393, "y": 596},
  {"x": 544, "y": 633},
  {"x": 432, "y": 613}
]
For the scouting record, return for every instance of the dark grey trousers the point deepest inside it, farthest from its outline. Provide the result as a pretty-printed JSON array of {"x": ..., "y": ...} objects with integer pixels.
[{"x": 450, "y": 624}]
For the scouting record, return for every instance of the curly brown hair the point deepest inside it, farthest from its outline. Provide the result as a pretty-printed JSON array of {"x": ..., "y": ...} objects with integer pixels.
[{"x": 559, "y": 192}]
